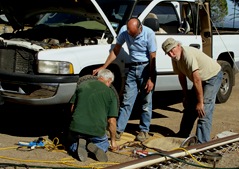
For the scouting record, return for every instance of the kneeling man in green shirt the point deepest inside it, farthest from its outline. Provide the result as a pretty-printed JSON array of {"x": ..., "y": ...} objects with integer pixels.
[{"x": 95, "y": 109}]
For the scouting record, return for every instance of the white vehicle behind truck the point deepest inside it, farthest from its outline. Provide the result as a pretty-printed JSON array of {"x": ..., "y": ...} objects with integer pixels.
[{"x": 41, "y": 65}]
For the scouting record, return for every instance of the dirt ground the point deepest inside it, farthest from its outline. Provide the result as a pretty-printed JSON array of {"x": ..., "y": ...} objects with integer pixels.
[{"x": 28, "y": 123}]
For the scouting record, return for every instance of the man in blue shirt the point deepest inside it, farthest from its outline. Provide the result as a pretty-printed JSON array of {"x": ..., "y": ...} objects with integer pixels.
[{"x": 142, "y": 47}]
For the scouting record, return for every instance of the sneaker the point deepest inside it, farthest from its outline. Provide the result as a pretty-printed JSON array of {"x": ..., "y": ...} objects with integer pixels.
[
  {"x": 142, "y": 136},
  {"x": 100, "y": 155},
  {"x": 118, "y": 135},
  {"x": 82, "y": 153}
]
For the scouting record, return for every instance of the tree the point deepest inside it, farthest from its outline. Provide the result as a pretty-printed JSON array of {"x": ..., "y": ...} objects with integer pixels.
[{"x": 219, "y": 10}]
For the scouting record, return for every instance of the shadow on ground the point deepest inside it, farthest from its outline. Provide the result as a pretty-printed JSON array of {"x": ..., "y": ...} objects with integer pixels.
[
  {"x": 161, "y": 101},
  {"x": 36, "y": 121}
]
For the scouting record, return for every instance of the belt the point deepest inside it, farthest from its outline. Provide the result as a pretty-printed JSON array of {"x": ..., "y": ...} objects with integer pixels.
[{"x": 138, "y": 63}]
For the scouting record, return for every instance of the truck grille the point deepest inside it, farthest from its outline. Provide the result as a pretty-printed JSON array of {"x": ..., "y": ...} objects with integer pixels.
[{"x": 17, "y": 60}]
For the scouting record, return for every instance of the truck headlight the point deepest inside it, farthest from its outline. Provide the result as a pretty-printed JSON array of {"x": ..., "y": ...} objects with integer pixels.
[{"x": 55, "y": 67}]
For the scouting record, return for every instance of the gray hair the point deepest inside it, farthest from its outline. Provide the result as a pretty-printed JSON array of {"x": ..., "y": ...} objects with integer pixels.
[{"x": 106, "y": 74}]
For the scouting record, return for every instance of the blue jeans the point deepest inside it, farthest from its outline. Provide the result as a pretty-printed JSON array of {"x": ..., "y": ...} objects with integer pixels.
[
  {"x": 204, "y": 124},
  {"x": 73, "y": 137},
  {"x": 136, "y": 81}
]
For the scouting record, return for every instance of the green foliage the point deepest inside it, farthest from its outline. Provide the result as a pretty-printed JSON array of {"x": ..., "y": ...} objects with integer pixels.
[{"x": 219, "y": 10}]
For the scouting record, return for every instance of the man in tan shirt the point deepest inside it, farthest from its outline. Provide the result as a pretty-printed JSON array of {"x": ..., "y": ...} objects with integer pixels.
[{"x": 206, "y": 75}]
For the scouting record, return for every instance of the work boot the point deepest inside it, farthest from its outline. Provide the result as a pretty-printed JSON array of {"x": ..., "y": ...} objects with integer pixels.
[
  {"x": 82, "y": 153},
  {"x": 100, "y": 155},
  {"x": 142, "y": 136},
  {"x": 118, "y": 135}
]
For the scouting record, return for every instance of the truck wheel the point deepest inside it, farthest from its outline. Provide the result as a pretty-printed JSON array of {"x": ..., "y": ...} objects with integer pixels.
[
  {"x": 227, "y": 82},
  {"x": 91, "y": 77}
]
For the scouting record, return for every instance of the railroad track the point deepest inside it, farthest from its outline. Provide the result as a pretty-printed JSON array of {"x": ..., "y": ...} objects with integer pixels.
[
  {"x": 199, "y": 155},
  {"x": 211, "y": 152}
]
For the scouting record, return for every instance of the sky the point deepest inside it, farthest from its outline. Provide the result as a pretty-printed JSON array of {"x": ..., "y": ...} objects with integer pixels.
[{"x": 228, "y": 21}]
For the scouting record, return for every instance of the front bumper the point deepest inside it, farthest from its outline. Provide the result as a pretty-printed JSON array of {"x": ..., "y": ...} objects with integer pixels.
[{"x": 37, "y": 89}]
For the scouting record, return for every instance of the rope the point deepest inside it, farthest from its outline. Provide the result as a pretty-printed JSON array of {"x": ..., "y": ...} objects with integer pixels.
[
  {"x": 7, "y": 148},
  {"x": 51, "y": 146},
  {"x": 54, "y": 145},
  {"x": 192, "y": 157}
]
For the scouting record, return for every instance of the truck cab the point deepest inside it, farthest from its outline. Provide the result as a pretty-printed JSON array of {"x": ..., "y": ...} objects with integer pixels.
[{"x": 190, "y": 23}]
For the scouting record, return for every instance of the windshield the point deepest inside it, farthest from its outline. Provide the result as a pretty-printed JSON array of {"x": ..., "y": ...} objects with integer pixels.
[
  {"x": 117, "y": 11},
  {"x": 164, "y": 11},
  {"x": 64, "y": 19}
]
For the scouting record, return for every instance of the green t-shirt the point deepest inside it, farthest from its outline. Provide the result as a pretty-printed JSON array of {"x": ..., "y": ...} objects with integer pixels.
[{"x": 94, "y": 102}]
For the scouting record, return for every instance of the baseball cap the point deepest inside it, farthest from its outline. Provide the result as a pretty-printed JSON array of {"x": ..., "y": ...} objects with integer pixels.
[{"x": 169, "y": 44}]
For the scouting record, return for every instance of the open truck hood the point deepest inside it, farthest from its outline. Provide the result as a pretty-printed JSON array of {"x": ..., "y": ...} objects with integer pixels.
[{"x": 22, "y": 12}]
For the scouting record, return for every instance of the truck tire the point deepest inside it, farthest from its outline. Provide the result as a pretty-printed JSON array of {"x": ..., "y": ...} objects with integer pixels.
[
  {"x": 91, "y": 77},
  {"x": 227, "y": 83}
]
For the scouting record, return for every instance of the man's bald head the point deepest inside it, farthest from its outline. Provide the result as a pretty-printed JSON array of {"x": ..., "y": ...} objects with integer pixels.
[{"x": 134, "y": 27}]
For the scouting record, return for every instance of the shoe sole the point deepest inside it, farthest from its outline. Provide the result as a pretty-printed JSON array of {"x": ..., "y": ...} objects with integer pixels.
[
  {"x": 82, "y": 153},
  {"x": 99, "y": 153}
]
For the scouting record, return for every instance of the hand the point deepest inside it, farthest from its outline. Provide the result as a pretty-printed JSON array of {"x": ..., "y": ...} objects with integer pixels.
[
  {"x": 113, "y": 149},
  {"x": 114, "y": 146},
  {"x": 95, "y": 71},
  {"x": 149, "y": 85},
  {"x": 200, "y": 110}
]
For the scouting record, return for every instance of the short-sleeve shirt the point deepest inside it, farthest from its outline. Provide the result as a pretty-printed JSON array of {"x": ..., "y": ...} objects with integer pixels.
[
  {"x": 194, "y": 59},
  {"x": 94, "y": 102},
  {"x": 140, "y": 46}
]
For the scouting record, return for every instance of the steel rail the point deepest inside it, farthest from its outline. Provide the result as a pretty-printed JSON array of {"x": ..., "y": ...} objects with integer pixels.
[{"x": 157, "y": 158}]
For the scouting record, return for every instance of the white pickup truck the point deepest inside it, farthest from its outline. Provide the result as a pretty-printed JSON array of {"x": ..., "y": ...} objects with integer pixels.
[{"x": 41, "y": 65}]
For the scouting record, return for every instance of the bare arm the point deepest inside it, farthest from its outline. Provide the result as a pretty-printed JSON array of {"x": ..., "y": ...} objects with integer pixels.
[
  {"x": 112, "y": 130},
  {"x": 197, "y": 82},
  {"x": 152, "y": 77},
  {"x": 112, "y": 56},
  {"x": 183, "y": 82}
]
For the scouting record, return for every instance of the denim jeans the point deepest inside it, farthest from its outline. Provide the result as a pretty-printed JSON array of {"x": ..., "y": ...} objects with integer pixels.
[
  {"x": 136, "y": 81},
  {"x": 73, "y": 137},
  {"x": 204, "y": 124}
]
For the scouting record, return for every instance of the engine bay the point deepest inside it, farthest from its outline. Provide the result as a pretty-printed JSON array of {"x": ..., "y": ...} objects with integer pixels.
[{"x": 59, "y": 37}]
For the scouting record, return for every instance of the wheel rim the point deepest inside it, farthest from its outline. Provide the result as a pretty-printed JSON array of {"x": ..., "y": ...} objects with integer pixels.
[{"x": 225, "y": 83}]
